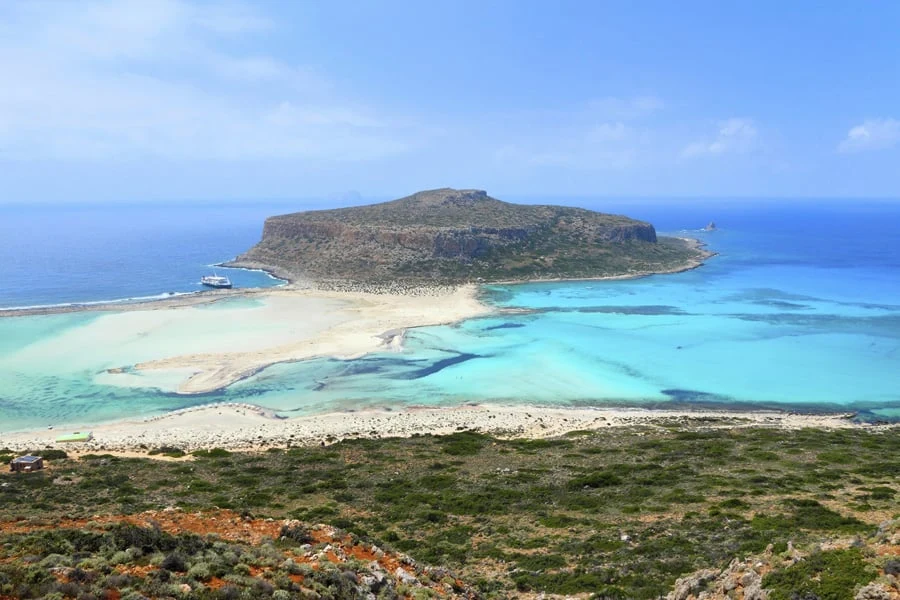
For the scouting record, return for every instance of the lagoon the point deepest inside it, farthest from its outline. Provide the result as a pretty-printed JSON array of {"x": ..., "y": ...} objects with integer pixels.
[{"x": 800, "y": 310}]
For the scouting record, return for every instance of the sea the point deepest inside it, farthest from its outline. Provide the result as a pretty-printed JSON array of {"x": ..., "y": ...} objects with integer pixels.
[{"x": 799, "y": 310}]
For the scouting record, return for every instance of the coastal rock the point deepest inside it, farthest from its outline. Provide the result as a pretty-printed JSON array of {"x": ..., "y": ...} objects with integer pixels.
[
  {"x": 452, "y": 236},
  {"x": 741, "y": 579},
  {"x": 405, "y": 577},
  {"x": 687, "y": 586},
  {"x": 873, "y": 591}
]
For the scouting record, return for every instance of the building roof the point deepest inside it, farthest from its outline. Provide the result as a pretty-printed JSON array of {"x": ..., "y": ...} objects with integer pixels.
[{"x": 28, "y": 458}]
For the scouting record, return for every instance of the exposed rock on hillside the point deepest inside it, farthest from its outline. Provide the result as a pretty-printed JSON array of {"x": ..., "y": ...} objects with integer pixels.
[
  {"x": 451, "y": 236},
  {"x": 221, "y": 554}
]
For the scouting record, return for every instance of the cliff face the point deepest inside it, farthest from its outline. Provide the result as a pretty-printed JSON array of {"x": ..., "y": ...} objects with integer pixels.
[{"x": 449, "y": 236}]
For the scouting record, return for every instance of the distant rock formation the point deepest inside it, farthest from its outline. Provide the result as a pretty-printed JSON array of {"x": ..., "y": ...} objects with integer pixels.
[
  {"x": 453, "y": 236},
  {"x": 710, "y": 227}
]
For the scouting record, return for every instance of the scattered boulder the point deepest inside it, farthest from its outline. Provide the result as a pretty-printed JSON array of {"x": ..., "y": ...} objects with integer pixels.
[{"x": 873, "y": 591}]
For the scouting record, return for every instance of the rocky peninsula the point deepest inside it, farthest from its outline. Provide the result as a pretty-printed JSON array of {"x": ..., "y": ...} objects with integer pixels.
[{"x": 450, "y": 237}]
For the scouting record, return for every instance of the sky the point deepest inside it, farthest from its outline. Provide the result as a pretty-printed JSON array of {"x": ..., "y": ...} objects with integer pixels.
[{"x": 134, "y": 100}]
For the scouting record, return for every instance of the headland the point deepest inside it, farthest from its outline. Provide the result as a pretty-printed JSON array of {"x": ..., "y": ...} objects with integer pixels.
[{"x": 452, "y": 237}]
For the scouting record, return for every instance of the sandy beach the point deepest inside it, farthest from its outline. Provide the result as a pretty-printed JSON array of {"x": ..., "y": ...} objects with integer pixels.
[
  {"x": 202, "y": 343},
  {"x": 319, "y": 323},
  {"x": 246, "y": 427}
]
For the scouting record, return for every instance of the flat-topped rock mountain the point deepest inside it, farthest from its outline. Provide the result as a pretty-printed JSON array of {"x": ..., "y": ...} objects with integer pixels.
[{"x": 448, "y": 236}]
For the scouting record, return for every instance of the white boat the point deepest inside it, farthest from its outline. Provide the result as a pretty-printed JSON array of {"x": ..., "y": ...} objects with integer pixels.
[{"x": 216, "y": 281}]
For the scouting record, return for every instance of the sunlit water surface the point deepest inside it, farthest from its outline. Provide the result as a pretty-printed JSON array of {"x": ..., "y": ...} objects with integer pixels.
[{"x": 800, "y": 310}]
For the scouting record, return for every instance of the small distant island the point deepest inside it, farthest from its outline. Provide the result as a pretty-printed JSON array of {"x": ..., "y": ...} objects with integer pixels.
[{"x": 449, "y": 237}]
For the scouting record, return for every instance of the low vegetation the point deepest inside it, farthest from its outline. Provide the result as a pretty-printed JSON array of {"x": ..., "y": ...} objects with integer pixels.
[{"x": 621, "y": 513}]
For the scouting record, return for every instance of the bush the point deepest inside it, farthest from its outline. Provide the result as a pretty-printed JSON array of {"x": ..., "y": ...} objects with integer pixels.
[
  {"x": 298, "y": 534},
  {"x": 892, "y": 567},
  {"x": 174, "y": 562},
  {"x": 597, "y": 479},
  {"x": 831, "y": 575},
  {"x": 212, "y": 453},
  {"x": 169, "y": 451},
  {"x": 463, "y": 443},
  {"x": 200, "y": 572},
  {"x": 51, "y": 454}
]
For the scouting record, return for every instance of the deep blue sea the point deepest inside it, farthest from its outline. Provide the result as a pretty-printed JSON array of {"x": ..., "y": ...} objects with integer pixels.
[
  {"x": 800, "y": 310},
  {"x": 71, "y": 254}
]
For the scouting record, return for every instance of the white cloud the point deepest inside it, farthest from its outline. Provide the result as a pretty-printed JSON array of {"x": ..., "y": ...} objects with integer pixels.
[
  {"x": 872, "y": 134},
  {"x": 733, "y": 136},
  {"x": 162, "y": 78}
]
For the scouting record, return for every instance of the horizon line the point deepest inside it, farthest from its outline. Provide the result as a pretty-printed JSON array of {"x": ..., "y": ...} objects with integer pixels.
[{"x": 331, "y": 198}]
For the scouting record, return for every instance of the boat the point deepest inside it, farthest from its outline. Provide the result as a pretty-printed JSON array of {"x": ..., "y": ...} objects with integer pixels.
[{"x": 216, "y": 281}]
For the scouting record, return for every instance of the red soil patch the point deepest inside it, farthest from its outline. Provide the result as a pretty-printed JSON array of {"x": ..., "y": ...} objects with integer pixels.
[
  {"x": 387, "y": 562},
  {"x": 215, "y": 583},
  {"x": 140, "y": 572},
  {"x": 225, "y": 524}
]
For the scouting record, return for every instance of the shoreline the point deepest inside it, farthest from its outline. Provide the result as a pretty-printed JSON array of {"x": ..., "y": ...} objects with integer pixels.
[
  {"x": 295, "y": 283},
  {"x": 245, "y": 427},
  {"x": 361, "y": 320}
]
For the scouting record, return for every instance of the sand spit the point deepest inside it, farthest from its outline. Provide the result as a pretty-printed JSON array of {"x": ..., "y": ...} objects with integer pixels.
[
  {"x": 196, "y": 345},
  {"x": 246, "y": 427},
  {"x": 365, "y": 322}
]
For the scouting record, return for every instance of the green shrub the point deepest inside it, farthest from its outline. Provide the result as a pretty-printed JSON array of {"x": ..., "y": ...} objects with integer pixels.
[
  {"x": 174, "y": 562},
  {"x": 200, "y": 572},
  {"x": 597, "y": 479},
  {"x": 464, "y": 443},
  {"x": 169, "y": 451},
  {"x": 295, "y": 534},
  {"x": 831, "y": 575},
  {"x": 52, "y": 454}
]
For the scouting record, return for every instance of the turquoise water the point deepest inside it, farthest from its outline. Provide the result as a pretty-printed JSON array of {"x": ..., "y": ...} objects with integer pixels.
[{"x": 800, "y": 310}]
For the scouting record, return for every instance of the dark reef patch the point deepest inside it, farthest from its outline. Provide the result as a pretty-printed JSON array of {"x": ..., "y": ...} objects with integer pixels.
[
  {"x": 505, "y": 326},
  {"x": 880, "y": 326},
  {"x": 646, "y": 310},
  {"x": 782, "y": 304},
  {"x": 763, "y": 294},
  {"x": 640, "y": 310},
  {"x": 437, "y": 366},
  {"x": 680, "y": 395}
]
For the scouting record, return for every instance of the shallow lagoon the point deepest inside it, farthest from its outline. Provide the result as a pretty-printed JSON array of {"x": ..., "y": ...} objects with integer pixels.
[{"x": 805, "y": 317}]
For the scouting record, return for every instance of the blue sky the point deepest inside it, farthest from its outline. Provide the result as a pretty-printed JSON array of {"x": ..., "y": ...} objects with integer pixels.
[{"x": 174, "y": 99}]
